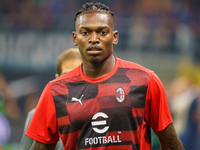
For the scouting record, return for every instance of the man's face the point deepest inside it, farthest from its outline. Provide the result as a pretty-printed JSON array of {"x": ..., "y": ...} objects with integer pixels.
[{"x": 95, "y": 36}]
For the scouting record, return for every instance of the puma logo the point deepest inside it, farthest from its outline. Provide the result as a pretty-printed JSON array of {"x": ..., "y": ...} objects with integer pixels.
[{"x": 77, "y": 100}]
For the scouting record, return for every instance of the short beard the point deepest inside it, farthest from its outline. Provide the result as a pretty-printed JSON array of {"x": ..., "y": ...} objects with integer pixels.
[
  {"x": 96, "y": 62},
  {"x": 99, "y": 62}
]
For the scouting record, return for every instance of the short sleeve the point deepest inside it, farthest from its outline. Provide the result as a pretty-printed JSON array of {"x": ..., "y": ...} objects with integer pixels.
[
  {"x": 157, "y": 113},
  {"x": 43, "y": 126}
]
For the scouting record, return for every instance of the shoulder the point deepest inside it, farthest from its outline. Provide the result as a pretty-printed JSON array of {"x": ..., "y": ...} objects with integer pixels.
[
  {"x": 131, "y": 65},
  {"x": 66, "y": 77}
]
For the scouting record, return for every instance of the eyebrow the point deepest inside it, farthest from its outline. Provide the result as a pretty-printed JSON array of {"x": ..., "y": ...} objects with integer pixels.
[{"x": 98, "y": 28}]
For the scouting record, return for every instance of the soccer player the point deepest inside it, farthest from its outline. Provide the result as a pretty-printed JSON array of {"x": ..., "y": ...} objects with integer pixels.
[
  {"x": 105, "y": 103},
  {"x": 67, "y": 61}
]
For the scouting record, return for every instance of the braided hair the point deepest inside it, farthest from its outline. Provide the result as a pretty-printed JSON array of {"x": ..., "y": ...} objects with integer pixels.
[{"x": 93, "y": 7}]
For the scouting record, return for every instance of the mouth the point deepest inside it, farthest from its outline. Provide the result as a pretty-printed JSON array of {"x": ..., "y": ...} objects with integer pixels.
[{"x": 95, "y": 50}]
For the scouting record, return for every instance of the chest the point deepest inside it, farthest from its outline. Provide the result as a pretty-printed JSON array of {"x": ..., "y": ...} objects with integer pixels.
[
  {"x": 120, "y": 99},
  {"x": 104, "y": 101}
]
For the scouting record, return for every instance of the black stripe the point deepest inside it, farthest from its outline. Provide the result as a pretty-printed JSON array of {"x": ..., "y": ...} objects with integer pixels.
[
  {"x": 67, "y": 129},
  {"x": 60, "y": 104},
  {"x": 118, "y": 77},
  {"x": 122, "y": 119},
  {"x": 89, "y": 90},
  {"x": 137, "y": 95}
]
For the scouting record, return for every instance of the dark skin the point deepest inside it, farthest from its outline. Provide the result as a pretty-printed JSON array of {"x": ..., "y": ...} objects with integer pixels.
[
  {"x": 169, "y": 139},
  {"x": 41, "y": 146},
  {"x": 95, "y": 37}
]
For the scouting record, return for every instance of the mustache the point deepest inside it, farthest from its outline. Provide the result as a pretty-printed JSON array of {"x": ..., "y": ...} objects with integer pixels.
[{"x": 93, "y": 47}]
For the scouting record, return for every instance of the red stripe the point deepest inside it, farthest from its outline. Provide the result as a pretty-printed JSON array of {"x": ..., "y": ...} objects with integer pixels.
[
  {"x": 121, "y": 147},
  {"x": 64, "y": 121},
  {"x": 138, "y": 112},
  {"x": 70, "y": 140},
  {"x": 59, "y": 89}
]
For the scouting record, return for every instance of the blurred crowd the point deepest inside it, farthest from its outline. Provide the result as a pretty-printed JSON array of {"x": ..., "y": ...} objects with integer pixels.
[
  {"x": 17, "y": 98},
  {"x": 149, "y": 26}
]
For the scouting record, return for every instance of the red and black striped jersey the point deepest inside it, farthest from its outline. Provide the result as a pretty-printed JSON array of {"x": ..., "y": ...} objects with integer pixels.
[{"x": 112, "y": 112}]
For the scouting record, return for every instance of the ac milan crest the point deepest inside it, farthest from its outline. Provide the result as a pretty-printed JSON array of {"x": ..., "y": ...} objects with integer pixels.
[{"x": 120, "y": 95}]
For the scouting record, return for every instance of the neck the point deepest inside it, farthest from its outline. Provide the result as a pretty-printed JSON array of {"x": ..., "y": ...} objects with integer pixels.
[{"x": 98, "y": 70}]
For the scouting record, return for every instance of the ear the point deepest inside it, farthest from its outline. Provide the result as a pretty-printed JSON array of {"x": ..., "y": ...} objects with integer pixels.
[
  {"x": 115, "y": 37},
  {"x": 74, "y": 38},
  {"x": 56, "y": 75}
]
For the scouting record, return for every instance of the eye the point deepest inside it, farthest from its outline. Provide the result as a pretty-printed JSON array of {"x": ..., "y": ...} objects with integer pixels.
[
  {"x": 104, "y": 32},
  {"x": 84, "y": 33}
]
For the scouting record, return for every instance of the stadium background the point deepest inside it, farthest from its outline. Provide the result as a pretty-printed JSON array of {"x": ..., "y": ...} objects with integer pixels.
[{"x": 161, "y": 35}]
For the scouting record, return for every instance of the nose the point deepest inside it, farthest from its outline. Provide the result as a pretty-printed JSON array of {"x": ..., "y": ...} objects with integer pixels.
[{"x": 94, "y": 38}]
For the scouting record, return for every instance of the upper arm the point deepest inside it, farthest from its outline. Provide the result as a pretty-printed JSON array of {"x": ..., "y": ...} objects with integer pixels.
[
  {"x": 41, "y": 146},
  {"x": 157, "y": 112},
  {"x": 169, "y": 139}
]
